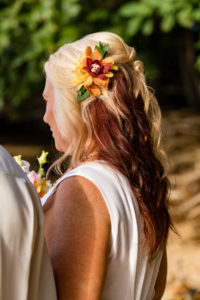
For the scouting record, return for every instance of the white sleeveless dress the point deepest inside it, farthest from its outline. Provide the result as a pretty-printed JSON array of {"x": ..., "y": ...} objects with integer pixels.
[{"x": 129, "y": 276}]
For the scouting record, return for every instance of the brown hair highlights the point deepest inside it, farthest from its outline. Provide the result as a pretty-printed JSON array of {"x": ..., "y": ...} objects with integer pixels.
[{"x": 127, "y": 145}]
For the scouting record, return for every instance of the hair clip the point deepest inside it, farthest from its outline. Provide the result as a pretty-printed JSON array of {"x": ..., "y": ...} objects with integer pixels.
[{"x": 93, "y": 71}]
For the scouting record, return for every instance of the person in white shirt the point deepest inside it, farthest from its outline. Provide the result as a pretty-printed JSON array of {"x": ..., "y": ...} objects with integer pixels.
[{"x": 25, "y": 268}]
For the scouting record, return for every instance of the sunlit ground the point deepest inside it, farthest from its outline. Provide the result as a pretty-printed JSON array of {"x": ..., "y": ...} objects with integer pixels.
[{"x": 182, "y": 142}]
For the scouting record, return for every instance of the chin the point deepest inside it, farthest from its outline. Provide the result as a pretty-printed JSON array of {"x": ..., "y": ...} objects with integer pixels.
[
  {"x": 60, "y": 145},
  {"x": 59, "y": 148}
]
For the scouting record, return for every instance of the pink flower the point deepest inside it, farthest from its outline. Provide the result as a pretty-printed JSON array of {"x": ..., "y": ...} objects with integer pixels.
[{"x": 33, "y": 177}]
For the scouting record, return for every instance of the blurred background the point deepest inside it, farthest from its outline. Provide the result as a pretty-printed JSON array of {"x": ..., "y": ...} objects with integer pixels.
[{"x": 166, "y": 35}]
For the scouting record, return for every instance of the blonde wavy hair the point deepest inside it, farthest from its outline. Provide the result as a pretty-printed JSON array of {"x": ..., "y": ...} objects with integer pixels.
[
  {"x": 72, "y": 117},
  {"x": 122, "y": 126}
]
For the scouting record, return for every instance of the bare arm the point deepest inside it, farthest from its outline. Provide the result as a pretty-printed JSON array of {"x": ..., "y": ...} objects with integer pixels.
[
  {"x": 78, "y": 233},
  {"x": 161, "y": 279}
]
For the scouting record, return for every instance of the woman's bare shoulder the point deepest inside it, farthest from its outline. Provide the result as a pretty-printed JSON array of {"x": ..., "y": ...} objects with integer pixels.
[
  {"x": 78, "y": 192},
  {"x": 78, "y": 239}
]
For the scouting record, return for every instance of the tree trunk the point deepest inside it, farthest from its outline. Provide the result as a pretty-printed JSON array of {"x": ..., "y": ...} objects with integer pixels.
[{"x": 189, "y": 75}]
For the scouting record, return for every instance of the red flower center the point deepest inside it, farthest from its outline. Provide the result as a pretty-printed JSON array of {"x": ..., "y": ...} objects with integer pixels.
[
  {"x": 96, "y": 69},
  {"x": 93, "y": 67}
]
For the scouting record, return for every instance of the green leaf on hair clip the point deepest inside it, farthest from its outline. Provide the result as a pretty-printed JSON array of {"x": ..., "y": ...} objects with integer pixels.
[
  {"x": 102, "y": 49},
  {"x": 82, "y": 94}
]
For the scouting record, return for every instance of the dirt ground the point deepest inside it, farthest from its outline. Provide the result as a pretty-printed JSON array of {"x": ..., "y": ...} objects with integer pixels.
[
  {"x": 182, "y": 142},
  {"x": 181, "y": 136}
]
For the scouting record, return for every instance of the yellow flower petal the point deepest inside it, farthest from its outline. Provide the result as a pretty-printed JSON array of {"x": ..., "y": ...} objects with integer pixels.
[
  {"x": 94, "y": 90},
  {"x": 114, "y": 68},
  {"x": 84, "y": 61},
  {"x": 109, "y": 74},
  {"x": 88, "y": 82},
  {"x": 102, "y": 83},
  {"x": 108, "y": 60},
  {"x": 80, "y": 78},
  {"x": 88, "y": 52},
  {"x": 84, "y": 76},
  {"x": 39, "y": 188},
  {"x": 76, "y": 80},
  {"x": 97, "y": 55},
  {"x": 99, "y": 81},
  {"x": 77, "y": 63},
  {"x": 81, "y": 72},
  {"x": 79, "y": 86},
  {"x": 76, "y": 71}
]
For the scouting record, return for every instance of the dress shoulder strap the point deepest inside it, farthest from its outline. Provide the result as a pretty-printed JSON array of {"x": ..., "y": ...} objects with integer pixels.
[
  {"x": 105, "y": 178},
  {"x": 81, "y": 170}
]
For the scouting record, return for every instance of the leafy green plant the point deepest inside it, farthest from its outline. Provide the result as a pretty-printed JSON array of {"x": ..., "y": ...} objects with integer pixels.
[{"x": 31, "y": 30}]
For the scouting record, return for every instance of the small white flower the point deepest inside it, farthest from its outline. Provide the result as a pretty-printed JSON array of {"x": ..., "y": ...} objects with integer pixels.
[{"x": 26, "y": 166}]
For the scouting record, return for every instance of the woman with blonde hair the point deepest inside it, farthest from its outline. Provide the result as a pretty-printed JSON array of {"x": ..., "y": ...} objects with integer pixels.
[{"x": 106, "y": 218}]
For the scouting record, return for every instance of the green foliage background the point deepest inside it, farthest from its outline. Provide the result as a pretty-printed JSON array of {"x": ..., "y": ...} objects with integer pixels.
[{"x": 31, "y": 30}]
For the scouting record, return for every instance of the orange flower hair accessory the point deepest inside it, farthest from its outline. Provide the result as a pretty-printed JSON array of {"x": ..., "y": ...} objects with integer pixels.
[{"x": 93, "y": 71}]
